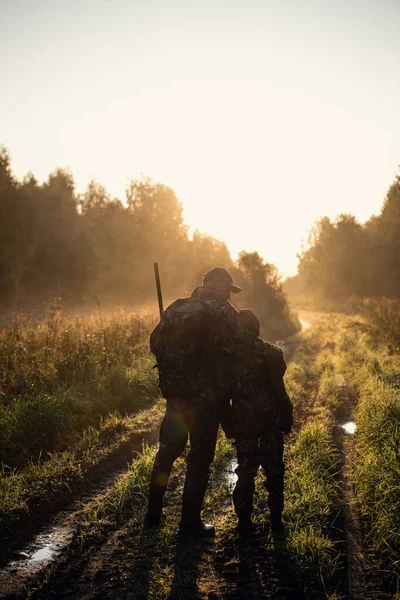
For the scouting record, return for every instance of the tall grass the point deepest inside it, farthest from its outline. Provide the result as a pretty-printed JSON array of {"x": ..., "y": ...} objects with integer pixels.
[
  {"x": 61, "y": 375},
  {"x": 382, "y": 317}
]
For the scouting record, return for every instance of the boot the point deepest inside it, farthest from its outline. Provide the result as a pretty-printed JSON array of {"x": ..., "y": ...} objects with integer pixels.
[
  {"x": 155, "y": 516},
  {"x": 275, "y": 503},
  {"x": 193, "y": 495},
  {"x": 196, "y": 528},
  {"x": 154, "y": 519}
]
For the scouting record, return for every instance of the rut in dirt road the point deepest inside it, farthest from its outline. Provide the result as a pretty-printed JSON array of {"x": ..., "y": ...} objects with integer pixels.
[
  {"x": 356, "y": 578},
  {"x": 29, "y": 561},
  {"x": 136, "y": 563},
  {"x": 360, "y": 582}
]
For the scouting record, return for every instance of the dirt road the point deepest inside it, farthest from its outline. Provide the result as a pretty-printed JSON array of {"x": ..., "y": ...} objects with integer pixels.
[{"x": 119, "y": 559}]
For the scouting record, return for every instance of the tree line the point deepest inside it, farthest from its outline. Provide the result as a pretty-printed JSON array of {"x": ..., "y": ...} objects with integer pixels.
[
  {"x": 55, "y": 243},
  {"x": 345, "y": 258}
]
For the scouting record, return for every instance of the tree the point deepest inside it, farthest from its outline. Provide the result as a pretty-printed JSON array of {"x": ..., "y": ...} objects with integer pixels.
[
  {"x": 262, "y": 290},
  {"x": 345, "y": 258}
]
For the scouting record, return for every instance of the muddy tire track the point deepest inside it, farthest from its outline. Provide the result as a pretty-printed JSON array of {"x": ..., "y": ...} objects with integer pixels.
[
  {"x": 361, "y": 579},
  {"x": 26, "y": 524},
  {"x": 356, "y": 577},
  {"x": 125, "y": 563},
  {"x": 117, "y": 565},
  {"x": 52, "y": 533}
]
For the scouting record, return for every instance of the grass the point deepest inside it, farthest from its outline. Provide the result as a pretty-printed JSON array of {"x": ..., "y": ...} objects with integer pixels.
[
  {"x": 61, "y": 375},
  {"x": 382, "y": 320},
  {"x": 62, "y": 474},
  {"x": 149, "y": 561},
  {"x": 313, "y": 501},
  {"x": 129, "y": 493},
  {"x": 373, "y": 372}
]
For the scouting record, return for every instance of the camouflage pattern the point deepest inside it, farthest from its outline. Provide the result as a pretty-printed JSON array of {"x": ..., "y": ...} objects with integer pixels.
[
  {"x": 259, "y": 399},
  {"x": 200, "y": 422},
  {"x": 252, "y": 451},
  {"x": 261, "y": 411},
  {"x": 190, "y": 342}
]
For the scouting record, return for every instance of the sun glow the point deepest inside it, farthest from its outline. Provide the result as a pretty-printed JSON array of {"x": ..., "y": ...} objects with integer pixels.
[{"x": 261, "y": 126}]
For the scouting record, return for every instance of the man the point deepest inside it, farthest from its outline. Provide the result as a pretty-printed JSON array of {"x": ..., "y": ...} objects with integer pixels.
[
  {"x": 261, "y": 413},
  {"x": 190, "y": 344}
]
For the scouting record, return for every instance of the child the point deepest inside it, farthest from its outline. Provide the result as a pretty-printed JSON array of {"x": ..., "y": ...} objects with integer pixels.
[{"x": 261, "y": 413}]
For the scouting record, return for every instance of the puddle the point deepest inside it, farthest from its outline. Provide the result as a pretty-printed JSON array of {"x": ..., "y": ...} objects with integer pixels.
[
  {"x": 231, "y": 475},
  {"x": 42, "y": 551},
  {"x": 52, "y": 541},
  {"x": 349, "y": 427}
]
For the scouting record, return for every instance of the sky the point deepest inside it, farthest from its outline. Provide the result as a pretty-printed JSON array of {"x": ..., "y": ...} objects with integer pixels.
[{"x": 263, "y": 116}]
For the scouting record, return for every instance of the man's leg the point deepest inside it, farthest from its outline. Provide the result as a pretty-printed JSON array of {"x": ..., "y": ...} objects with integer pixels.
[
  {"x": 248, "y": 463},
  {"x": 203, "y": 429},
  {"x": 173, "y": 439},
  {"x": 271, "y": 457}
]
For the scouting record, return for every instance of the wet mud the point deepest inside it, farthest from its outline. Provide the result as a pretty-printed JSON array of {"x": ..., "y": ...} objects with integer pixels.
[{"x": 22, "y": 562}]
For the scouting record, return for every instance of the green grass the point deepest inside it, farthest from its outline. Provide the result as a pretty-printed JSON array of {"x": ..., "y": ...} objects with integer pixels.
[
  {"x": 60, "y": 375},
  {"x": 313, "y": 502},
  {"x": 128, "y": 493},
  {"x": 42, "y": 481},
  {"x": 373, "y": 372},
  {"x": 313, "y": 499}
]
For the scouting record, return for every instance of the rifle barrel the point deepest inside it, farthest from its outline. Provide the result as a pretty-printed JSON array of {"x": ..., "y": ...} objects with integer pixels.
[{"x": 158, "y": 285}]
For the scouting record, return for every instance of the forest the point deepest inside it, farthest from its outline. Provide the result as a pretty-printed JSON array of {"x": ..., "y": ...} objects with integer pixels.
[
  {"x": 345, "y": 259},
  {"x": 60, "y": 248}
]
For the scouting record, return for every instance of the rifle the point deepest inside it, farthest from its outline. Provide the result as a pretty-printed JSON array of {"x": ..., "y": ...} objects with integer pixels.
[{"x": 158, "y": 285}]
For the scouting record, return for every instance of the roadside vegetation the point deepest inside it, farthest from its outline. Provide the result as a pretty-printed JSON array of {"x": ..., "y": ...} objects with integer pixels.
[
  {"x": 70, "y": 394},
  {"x": 28, "y": 494},
  {"x": 61, "y": 375},
  {"x": 313, "y": 503},
  {"x": 339, "y": 360},
  {"x": 370, "y": 360}
]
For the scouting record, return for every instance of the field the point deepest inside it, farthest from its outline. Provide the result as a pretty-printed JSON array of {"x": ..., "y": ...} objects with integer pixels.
[{"x": 79, "y": 415}]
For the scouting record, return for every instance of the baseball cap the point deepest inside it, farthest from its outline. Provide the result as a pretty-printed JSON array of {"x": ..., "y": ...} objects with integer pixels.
[{"x": 221, "y": 275}]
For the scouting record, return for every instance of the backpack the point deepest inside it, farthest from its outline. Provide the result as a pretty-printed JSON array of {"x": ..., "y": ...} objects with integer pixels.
[{"x": 182, "y": 345}]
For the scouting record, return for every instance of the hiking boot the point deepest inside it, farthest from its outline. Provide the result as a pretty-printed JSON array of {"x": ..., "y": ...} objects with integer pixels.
[
  {"x": 196, "y": 528},
  {"x": 154, "y": 519}
]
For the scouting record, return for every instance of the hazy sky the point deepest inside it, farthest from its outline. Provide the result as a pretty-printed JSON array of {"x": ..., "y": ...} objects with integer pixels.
[{"x": 262, "y": 115}]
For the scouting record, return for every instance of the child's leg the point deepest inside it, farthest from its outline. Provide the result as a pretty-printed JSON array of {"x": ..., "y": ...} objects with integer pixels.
[
  {"x": 248, "y": 463},
  {"x": 271, "y": 458}
]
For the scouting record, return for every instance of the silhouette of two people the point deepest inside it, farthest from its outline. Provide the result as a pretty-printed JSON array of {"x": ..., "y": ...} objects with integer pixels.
[{"x": 214, "y": 368}]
